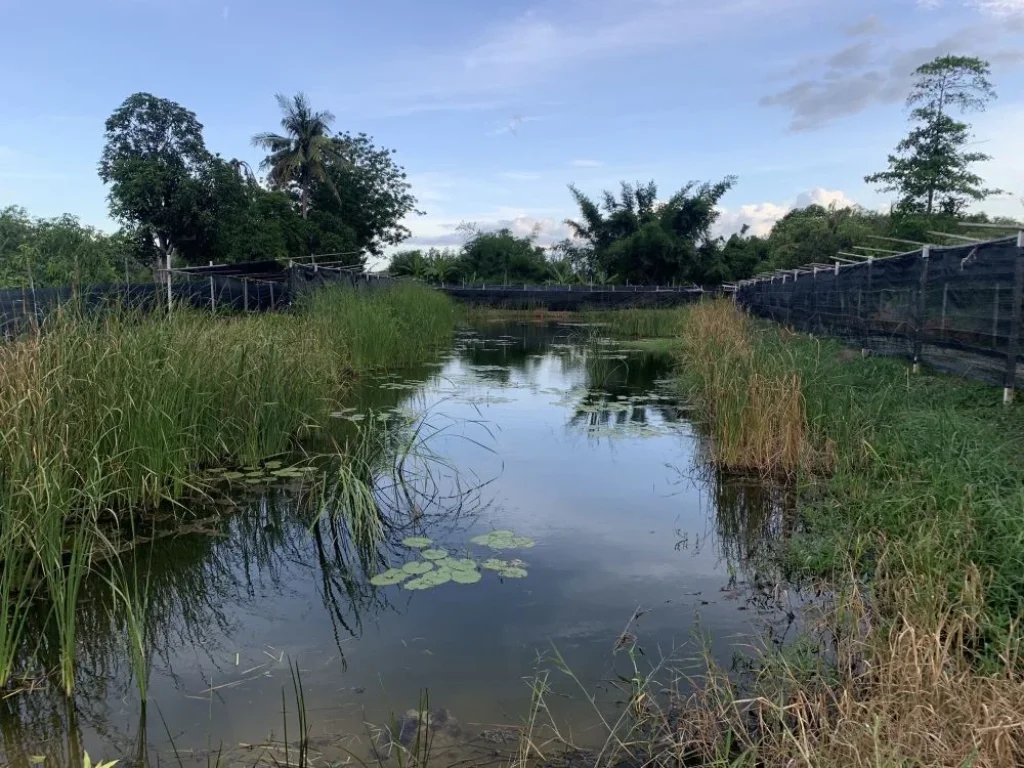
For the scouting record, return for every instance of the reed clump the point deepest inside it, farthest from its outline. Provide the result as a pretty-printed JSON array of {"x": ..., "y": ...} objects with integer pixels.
[
  {"x": 638, "y": 322},
  {"x": 751, "y": 403},
  {"x": 104, "y": 415}
]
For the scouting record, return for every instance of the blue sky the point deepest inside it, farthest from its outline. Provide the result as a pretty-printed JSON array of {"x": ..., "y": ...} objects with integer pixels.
[{"x": 494, "y": 107}]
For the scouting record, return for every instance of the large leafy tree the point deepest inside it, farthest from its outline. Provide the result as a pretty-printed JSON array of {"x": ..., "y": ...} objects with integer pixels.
[
  {"x": 818, "y": 234},
  {"x": 367, "y": 193},
  {"x": 299, "y": 157},
  {"x": 931, "y": 169},
  {"x": 157, "y": 166},
  {"x": 502, "y": 256},
  {"x": 635, "y": 238}
]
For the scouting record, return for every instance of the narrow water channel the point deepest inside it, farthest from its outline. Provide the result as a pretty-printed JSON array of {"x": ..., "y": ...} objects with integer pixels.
[{"x": 579, "y": 448}]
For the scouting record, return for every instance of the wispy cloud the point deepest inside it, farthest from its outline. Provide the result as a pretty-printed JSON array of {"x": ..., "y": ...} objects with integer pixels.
[
  {"x": 498, "y": 66},
  {"x": 872, "y": 72},
  {"x": 513, "y": 125},
  {"x": 587, "y": 163},
  {"x": 994, "y": 7}
]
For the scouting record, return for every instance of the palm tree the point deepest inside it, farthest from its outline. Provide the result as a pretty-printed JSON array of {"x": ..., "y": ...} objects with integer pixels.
[{"x": 302, "y": 155}]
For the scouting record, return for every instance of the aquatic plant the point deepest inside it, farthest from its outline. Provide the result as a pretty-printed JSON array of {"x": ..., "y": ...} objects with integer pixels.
[
  {"x": 417, "y": 542},
  {"x": 500, "y": 540}
]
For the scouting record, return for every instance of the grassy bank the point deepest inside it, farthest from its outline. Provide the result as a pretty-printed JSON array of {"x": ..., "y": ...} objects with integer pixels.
[
  {"x": 911, "y": 506},
  {"x": 108, "y": 415}
]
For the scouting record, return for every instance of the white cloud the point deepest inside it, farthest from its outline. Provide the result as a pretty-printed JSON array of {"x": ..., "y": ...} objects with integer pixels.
[
  {"x": 760, "y": 217},
  {"x": 446, "y": 231},
  {"x": 824, "y": 197},
  {"x": 587, "y": 163}
]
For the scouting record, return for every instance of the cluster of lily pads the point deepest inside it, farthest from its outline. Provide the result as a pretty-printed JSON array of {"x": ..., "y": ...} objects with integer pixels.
[
  {"x": 263, "y": 473},
  {"x": 436, "y": 567}
]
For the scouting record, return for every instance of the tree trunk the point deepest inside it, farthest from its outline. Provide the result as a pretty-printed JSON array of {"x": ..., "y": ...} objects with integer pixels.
[{"x": 304, "y": 202}]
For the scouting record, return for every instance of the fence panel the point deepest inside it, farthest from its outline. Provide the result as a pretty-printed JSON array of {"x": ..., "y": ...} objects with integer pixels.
[{"x": 956, "y": 309}]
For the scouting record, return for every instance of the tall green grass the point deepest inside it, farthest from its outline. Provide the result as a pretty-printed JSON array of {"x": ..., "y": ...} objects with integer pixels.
[
  {"x": 637, "y": 322},
  {"x": 928, "y": 466},
  {"x": 104, "y": 415}
]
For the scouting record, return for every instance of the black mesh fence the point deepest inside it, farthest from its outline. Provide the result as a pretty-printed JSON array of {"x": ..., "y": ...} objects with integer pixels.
[
  {"x": 957, "y": 309},
  {"x": 215, "y": 288},
  {"x": 568, "y": 298}
]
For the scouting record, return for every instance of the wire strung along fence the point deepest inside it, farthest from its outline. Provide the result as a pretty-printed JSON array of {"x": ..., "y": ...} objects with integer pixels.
[
  {"x": 954, "y": 308},
  {"x": 571, "y": 297},
  {"x": 263, "y": 286}
]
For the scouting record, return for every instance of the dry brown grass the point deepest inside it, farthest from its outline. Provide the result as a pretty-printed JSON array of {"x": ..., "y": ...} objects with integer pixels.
[
  {"x": 752, "y": 407},
  {"x": 879, "y": 693}
]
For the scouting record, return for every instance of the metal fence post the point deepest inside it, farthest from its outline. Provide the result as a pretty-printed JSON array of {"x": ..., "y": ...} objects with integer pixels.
[
  {"x": 995, "y": 319},
  {"x": 245, "y": 293},
  {"x": 922, "y": 298},
  {"x": 814, "y": 300},
  {"x": 1013, "y": 348},
  {"x": 272, "y": 296},
  {"x": 945, "y": 303},
  {"x": 213, "y": 299}
]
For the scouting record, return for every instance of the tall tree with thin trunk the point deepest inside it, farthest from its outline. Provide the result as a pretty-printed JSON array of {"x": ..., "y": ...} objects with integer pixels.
[
  {"x": 300, "y": 157},
  {"x": 931, "y": 169}
]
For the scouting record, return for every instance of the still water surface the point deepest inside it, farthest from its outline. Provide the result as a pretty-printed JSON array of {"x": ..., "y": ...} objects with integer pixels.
[{"x": 582, "y": 447}]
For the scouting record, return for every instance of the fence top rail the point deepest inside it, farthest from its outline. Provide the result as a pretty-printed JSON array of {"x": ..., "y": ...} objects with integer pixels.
[{"x": 932, "y": 249}]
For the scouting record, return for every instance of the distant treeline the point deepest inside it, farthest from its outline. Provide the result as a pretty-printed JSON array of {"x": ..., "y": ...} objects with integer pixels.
[{"x": 334, "y": 192}]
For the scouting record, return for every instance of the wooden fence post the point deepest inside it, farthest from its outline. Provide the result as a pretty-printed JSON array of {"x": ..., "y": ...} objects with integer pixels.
[
  {"x": 245, "y": 293},
  {"x": 922, "y": 299},
  {"x": 1013, "y": 348}
]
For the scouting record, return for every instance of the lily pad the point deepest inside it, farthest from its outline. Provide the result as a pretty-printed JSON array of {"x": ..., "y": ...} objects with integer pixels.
[
  {"x": 460, "y": 564},
  {"x": 234, "y": 475},
  {"x": 500, "y": 540},
  {"x": 466, "y": 576},
  {"x": 434, "y": 554},
  {"x": 493, "y": 564},
  {"x": 513, "y": 572},
  {"x": 389, "y": 577},
  {"x": 418, "y": 567},
  {"x": 428, "y": 580},
  {"x": 273, "y": 464},
  {"x": 417, "y": 542}
]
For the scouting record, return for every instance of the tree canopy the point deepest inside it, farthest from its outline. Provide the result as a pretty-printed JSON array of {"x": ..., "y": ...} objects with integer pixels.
[
  {"x": 326, "y": 192},
  {"x": 931, "y": 169}
]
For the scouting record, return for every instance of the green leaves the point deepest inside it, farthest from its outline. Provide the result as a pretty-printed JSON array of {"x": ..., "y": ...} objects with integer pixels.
[
  {"x": 930, "y": 169},
  {"x": 389, "y": 577},
  {"x": 417, "y": 542},
  {"x": 417, "y": 567},
  {"x": 500, "y": 540},
  {"x": 437, "y": 567}
]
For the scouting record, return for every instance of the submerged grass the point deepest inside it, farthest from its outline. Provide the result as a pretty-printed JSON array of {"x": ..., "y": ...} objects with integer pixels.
[{"x": 104, "y": 415}]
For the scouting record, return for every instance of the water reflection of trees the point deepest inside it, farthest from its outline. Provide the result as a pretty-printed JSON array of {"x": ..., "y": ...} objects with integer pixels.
[{"x": 249, "y": 543}]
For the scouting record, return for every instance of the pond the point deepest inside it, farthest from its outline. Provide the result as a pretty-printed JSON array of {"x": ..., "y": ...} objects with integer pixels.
[{"x": 579, "y": 448}]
